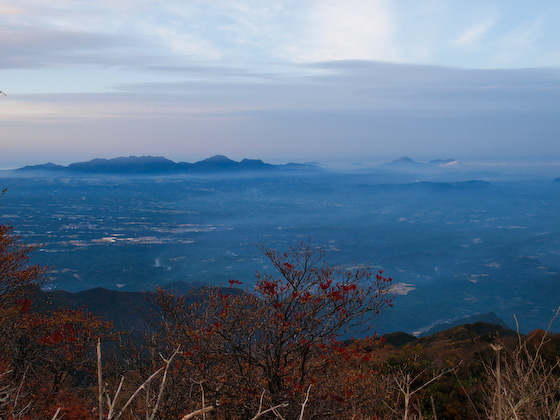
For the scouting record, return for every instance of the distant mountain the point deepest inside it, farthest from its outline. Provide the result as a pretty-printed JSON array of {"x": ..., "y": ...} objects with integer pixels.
[
  {"x": 120, "y": 165},
  {"x": 483, "y": 331},
  {"x": 488, "y": 318},
  {"x": 255, "y": 164},
  {"x": 450, "y": 336},
  {"x": 124, "y": 309},
  {"x": 221, "y": 163},
  {"x": 131, "y": 165},
  {"x": 213, "y": 164},
  {"x": 406, "y": 162},
  {"x": 151, "y": 165},
  {"x": 43, "y": 167}
]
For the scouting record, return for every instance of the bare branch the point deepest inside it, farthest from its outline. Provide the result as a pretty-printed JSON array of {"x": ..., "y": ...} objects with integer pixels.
[
  {"x": 112, "y": 403},
  {"x": 56, "y": 413},
  {"x": 18, "y": 391},
  {"x": 163, "y": 379},
  {"x": 99, "y": 380},
  {"x": 140, "y": 388},
  {"x": 199, "y": 412},
  {"x": 276, "y": 407},
  {"x": 304, "y": 403}
]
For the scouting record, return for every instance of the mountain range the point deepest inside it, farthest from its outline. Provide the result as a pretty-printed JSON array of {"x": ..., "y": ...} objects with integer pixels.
[
  {"x": 150, "y": 165},
  {"x": 153, "y": 165}
]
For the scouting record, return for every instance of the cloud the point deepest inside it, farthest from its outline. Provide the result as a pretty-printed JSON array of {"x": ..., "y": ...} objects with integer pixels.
[
  {"x": 7, "y": 9},
  {"x": 255, "y": 35},
  {"x": 346, "y": 87},
  {"x": 352, "y": 29},
  {"x": 472, "y": 35},
  {"x": 181, "y": 44},
  {"x": 47, "y": 48}
]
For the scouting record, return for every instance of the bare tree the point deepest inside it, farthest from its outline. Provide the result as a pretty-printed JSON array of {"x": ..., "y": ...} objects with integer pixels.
[
  {"x": 523, "y": 384},
  {"x": 407, "y": 384}
]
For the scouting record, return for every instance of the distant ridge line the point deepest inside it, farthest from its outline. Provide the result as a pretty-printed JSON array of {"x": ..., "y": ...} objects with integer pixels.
[{"x": 150, "y": 165}]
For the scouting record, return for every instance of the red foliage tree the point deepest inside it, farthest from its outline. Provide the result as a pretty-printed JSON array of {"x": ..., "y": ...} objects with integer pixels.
[
  {"x": 304, "y": 309},
  {"x": 277, "y": 337},
  {"x": 18, "y": 279}
]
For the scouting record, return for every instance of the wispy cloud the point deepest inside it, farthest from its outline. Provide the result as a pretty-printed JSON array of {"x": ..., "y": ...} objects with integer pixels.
[
  {"x": 352, "y": 29},
  {"x": 7, "y": 9},
  {"x": 258, "y": 34},
  {"x": 47, "y": 48},
  {"x": 474, "y": 34}
]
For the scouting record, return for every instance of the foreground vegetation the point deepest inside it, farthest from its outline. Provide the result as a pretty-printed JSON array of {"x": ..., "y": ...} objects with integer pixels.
[{"x": 272, "y": 354}]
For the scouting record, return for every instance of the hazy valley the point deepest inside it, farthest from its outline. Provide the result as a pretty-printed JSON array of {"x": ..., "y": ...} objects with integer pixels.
[{"x": 456, "y": 242}]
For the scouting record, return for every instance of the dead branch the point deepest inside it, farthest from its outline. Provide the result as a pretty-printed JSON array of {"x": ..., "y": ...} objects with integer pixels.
[
  {"x": 99, "y": 380},
  {"x": 163, "y": 379},
  {"x": 199, "y": 412},
  {"x": 523, "y": 384},
  {"x": 404, "y": 383},
  {"x": 305, "y": 402},
  {"x": 56, "y": 414},
  {"x": 274, "y": 409}
]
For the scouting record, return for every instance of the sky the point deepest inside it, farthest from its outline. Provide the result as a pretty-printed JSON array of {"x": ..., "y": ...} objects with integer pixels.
[{"x": 310, "y": 80}]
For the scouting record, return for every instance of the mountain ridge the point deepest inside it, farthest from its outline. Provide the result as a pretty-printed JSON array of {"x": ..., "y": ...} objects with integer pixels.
[
  {"x": 151, "y": 165},
  {"x": 125, "y": 309},
  {"x": 154, "y": 165}
]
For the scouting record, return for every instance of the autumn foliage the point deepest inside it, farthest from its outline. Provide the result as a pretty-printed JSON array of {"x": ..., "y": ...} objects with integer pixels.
[
  {"x": 42, "y": 354},
  {"x": 280, "y": 337},
  {"x": 18, "y": 278},
  {"x": 282, "y": 349}
]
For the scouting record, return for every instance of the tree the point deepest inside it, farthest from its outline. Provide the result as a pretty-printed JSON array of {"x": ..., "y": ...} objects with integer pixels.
[
  {"x": 18, "y": 279},
  {"x": 42, "y": 353},
  {"x": 307, "y": 307},
  {"x": 48, "y": 355},
  {"x": 278, "y": 337},
  {"x": 525, "y": 383}
]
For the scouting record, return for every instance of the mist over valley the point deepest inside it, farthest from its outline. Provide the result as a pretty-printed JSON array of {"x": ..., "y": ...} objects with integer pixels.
[{"x": 456, "y": 241}]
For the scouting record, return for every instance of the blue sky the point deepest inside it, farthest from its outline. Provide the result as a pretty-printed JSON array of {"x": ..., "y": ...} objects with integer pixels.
[{"x": 329, "y": 81}]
